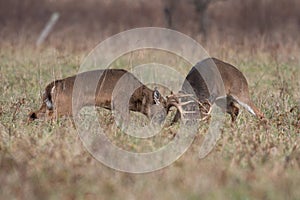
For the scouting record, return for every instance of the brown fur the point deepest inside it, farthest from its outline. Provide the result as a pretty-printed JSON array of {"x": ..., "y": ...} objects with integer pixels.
[
  {"x": 208, "y": 87},
  {"x": 59, "y": 94}
]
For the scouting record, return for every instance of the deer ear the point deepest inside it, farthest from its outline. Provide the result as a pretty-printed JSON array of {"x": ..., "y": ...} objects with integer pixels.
[{"x": 156, "y": 96}]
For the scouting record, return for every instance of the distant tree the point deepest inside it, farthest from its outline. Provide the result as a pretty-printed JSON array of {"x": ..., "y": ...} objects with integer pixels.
[
  {"x": 169, "y": 6},
  {"x": 201, "y": 7}
]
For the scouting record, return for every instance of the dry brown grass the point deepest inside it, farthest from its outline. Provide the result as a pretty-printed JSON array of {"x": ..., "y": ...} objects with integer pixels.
[{"x": 46, "y": 160}]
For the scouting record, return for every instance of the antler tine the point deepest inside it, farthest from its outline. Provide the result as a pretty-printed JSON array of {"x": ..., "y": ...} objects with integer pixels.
[
  {"x": 180, "y": 95},
  {"x": 174, "y": 100},
  {"x": 202, "y": 106},
  {"x": 186, "y": 103}
]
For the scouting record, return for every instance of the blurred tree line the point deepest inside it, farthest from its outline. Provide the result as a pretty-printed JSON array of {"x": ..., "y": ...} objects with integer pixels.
[{"x": 192, "y": 17}]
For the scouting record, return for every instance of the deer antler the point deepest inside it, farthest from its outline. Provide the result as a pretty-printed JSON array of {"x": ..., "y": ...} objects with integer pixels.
[{"x": 175, "y": 100}]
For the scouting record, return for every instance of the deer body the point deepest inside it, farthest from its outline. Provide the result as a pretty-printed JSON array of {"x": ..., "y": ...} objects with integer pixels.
[
  {"x": 61, "y": 96},
  {"x": 228, "y": 91}
]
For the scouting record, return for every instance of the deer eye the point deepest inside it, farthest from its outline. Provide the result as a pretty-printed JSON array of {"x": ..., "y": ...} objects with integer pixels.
[{"x": 156, "y": 96}]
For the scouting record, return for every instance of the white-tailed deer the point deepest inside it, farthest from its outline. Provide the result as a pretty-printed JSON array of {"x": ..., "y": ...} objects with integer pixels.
[
  {"x": 227, "y": 91},
  {"x": 60, "y": 96}
]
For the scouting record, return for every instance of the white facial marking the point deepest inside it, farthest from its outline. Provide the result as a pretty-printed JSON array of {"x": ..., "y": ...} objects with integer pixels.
[
  {"x": 49, "y": 104},
  {"x": 246, "y": 106},
  {"x": 52, "y": 90}
]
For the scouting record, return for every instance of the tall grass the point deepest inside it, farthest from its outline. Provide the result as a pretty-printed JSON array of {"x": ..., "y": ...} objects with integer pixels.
[
  {"x": 48, "y": 160},
  {"x": 45, "y": 160}
]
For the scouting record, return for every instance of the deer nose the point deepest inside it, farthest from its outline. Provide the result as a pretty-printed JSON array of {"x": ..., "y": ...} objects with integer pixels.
[{"x": 32, "y": 116}]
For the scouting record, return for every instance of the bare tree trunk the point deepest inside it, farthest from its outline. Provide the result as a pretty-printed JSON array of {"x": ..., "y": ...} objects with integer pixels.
[
  {"x": 203, "y": 23},
  {"x": 201, "y": 7},
  {"x": 169, "y": 11}
]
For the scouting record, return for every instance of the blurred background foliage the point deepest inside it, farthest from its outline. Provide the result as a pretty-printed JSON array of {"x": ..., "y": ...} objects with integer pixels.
[{"x": 96, "y": 20}]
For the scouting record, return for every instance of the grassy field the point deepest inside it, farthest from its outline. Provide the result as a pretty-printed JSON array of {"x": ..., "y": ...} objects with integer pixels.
[{"x": 44, "y": 160}]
